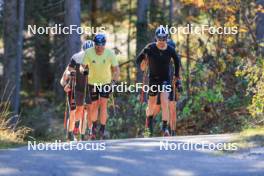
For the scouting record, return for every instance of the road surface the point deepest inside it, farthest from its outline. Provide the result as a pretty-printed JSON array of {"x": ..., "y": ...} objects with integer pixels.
[{"x": 132, "y": 157}]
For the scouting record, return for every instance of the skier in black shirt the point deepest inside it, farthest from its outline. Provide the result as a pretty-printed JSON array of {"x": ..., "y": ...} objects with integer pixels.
[{"x": 158, "y": 57}]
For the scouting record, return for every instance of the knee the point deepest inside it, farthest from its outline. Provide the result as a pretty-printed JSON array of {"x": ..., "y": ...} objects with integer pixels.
[
  {"x": 151, "y": 107},
  {"x": 148, "y": 112},
  {"x": 171, "y": 107},
  {"x": 165, "y": 103},
  {"x": 104, "y": 106}
]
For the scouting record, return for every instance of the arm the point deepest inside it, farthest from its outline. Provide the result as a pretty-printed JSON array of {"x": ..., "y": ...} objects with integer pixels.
[
  {"x": 84, "y": 65},
  {"x": 144, "y": 64},
  {"x": 115, "y": 73},
  {"x": 142, "y": 55},
  {"x": 114, "y": 67},
  {"x": 64, "y": 78},
  {"x": 66, "y": 75},
  {"x": 82, "y": 68},
  {"x": 177, "y": 64}
]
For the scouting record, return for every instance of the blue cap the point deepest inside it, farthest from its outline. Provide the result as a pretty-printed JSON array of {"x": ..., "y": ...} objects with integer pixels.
[
  {"x": 99, "y": 39},
  {"x": 87, "y": 44},
  {"x": 161, "y": 32}
]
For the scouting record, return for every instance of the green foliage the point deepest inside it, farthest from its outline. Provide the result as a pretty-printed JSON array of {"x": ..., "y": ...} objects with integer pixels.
[
  {"x": 187, "y": 110},
  {"x": 233, "y": 102},
  {"x": 203, "y": 97},
  {"x": 254, "y": 74},
  {"x": 210, "y": 75},
  {"x": 129, "y": 119},
  {"x": 45, "y": 119}
]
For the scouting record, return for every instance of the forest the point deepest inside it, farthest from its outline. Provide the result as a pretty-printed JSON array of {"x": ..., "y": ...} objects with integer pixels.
[{"x": 222, "y": 72}]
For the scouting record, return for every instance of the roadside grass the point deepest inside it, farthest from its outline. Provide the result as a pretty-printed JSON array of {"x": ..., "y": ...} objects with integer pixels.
[
  {"x": 11, "y": 133},
  {"x": 9, "y": 139},
  {"x": 247, "y": 139}
]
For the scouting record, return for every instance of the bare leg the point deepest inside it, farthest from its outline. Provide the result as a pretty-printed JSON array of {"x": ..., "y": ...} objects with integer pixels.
[
  {"x": 72, "y": 121},
  {"x": 103, "y": 110},
  {"x": 165, "y": 112},
  {"x": 164, "y": 106},
  {"x": 172, "y": 108}
]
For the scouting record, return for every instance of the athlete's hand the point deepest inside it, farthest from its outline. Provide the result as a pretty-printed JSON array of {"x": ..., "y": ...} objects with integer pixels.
[
  {"x": 85, "y": 72},
  {"x": 73, "y": 73},
  {"x": 67, "y": 88},
  {"x": 144, "y": 65}
]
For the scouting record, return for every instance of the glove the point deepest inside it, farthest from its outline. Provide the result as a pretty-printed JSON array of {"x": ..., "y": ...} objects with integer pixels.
[
  {"x": 85, "y": 72},
  {"x": 72, "y": 73},
  {"x": 179, "y": 85},
  {"x": 72, "y": 63}
]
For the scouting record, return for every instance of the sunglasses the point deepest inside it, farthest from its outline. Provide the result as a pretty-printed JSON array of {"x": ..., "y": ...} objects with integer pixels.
[
  {"x": 96, "y": 45},
  {"x": 162, "y": 39}
]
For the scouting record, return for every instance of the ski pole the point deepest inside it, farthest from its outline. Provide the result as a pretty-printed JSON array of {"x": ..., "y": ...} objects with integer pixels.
[
  {"x": 85, "y": 73},
  {"x": 72, "y": 102},
  {"x": 113, "y": 82},
  {"x": 113, "y": 104},
  {"x": 144, "y": 81},
  {"x": 145, "y": 72},
  {"x": 65, "y": 112}
]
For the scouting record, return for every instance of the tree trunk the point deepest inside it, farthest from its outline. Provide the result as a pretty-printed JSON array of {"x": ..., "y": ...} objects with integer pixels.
[
  {"x": 72, "y": 17},
  {"x": 60, "y": 63},
  {"x": 128, "y": 41},
  {"x": 153, "y": 11},
  {"x": 58, "y": 52},
  {"x": 171, "y": 13},
  {"x": 42, "y": 65},
  {"x": 142, "y": 24},
  {"x": 260, "y": 28},
  {"x": 19, "y": 54},
  {"x": 164, "y": 10},
  {"x": 238, "y": 23},
  {"x": 142, "y": 29},
  {"x": 93, "y": 13},
  {"x": 188, "y": 63},
  {"x": 10, "y": 47}
]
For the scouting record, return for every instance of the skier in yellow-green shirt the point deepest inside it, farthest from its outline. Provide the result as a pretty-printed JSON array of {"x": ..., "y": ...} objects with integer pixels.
[{"x": 103, "y": 72}]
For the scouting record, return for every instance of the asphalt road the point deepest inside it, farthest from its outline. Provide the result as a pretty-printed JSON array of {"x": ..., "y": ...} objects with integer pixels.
[{"x": 133, "y": 157}]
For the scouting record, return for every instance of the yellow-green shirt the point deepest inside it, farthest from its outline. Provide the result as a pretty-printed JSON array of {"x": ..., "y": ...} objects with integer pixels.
[{"x": 99, "y": 65}]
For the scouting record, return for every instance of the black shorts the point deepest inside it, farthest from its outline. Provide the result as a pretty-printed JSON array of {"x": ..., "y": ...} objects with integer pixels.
[
  {"x": 157, "y": 86},
  {"x": 171, "y": 98},
  {"x": 99, "y": 91},
  {"x": 78, "y": 97}
]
